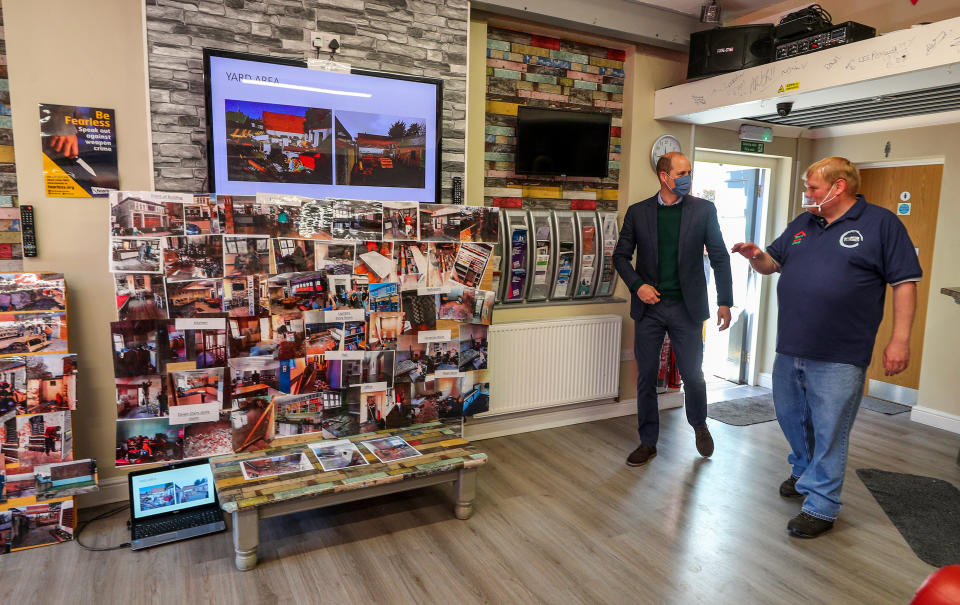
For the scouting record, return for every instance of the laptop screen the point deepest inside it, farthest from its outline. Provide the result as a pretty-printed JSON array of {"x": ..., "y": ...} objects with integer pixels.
[{"x": 171, "y": 489}]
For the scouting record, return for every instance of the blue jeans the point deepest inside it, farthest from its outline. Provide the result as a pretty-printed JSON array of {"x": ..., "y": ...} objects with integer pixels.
[{"x": 816, "y": 403}]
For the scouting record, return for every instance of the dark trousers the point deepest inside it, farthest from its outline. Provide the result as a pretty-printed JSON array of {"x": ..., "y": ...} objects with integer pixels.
[{"x": 686, "y": 336}]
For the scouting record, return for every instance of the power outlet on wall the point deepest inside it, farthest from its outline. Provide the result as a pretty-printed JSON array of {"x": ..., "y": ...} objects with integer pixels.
[{"x": 325, "y": 43}]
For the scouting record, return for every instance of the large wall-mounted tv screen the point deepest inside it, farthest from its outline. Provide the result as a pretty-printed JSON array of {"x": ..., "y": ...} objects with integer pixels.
[{"x": 275, "y": 126}]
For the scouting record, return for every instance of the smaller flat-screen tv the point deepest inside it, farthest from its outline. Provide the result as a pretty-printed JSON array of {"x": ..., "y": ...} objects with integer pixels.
[{"x": 560, "y": 142}]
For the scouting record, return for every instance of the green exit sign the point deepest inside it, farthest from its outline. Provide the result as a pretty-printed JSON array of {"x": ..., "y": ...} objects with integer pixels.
[{"x": 751, "y": 146}]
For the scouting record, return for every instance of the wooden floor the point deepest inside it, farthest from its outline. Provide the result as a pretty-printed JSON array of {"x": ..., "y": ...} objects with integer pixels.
[{"x": 559, "y": 519}]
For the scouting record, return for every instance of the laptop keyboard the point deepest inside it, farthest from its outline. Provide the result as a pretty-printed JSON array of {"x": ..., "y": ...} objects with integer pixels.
[{"x": 148, "y": 529}]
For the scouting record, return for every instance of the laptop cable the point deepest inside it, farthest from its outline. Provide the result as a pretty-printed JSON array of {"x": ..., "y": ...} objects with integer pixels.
[{"x": 83, "y": 525}]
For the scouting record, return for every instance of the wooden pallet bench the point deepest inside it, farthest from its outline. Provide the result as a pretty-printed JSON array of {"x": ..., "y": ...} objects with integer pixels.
[{"x": 447, "y": 458}]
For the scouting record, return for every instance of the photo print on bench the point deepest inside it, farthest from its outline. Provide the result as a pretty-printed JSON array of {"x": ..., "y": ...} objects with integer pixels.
[
  {"x": 337, "y": 454},
  {"x": 260, "y": 468}
]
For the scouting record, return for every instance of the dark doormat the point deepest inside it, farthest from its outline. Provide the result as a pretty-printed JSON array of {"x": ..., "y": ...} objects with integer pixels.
[
  {"x": 743, "y": 411},
  {"x": 884, "y": 407},
  {"x": 926, "y": 512}
]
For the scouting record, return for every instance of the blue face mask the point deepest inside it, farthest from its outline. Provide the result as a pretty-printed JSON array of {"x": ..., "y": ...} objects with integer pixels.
[{"x": 681, "y": 185}]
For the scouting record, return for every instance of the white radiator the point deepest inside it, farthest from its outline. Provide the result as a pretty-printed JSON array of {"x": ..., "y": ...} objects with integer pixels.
[{"x": 544, "y": 363}]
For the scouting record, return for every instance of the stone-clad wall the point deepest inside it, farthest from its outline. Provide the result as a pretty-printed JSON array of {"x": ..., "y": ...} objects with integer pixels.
[
  {"x": 413, "y": 37},
  {"x": 538, "y": 71}
]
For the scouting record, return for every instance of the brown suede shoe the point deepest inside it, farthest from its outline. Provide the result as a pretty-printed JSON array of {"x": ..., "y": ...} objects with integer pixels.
[
  {"x": 704, "y": 441},
  {"x": 641, "y": 455}
]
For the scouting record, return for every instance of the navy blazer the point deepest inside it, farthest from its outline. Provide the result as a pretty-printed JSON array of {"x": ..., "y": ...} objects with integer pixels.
[{"x": 699, "y": 227}]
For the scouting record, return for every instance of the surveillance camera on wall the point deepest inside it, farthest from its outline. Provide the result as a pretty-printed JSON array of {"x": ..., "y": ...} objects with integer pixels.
[{"x": 784, "y": 109}]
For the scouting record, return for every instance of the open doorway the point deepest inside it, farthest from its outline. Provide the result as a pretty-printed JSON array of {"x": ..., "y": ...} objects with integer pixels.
[{"x": 740, "y": 187}]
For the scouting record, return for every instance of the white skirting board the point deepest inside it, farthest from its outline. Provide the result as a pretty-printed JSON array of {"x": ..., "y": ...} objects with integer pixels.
[
  {"x": 113, "y": 489},
  {"x": 515, "y": 424},
  {"x": 936, "y": 418},
  {"x": 765, "y": 379}
]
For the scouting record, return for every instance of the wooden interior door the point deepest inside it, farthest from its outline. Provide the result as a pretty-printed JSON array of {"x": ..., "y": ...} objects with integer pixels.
[{"x": 883, "y": 187}]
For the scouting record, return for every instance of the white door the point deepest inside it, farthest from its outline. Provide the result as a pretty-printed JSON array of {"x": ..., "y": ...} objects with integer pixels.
[{"x": 740, "y": 185}]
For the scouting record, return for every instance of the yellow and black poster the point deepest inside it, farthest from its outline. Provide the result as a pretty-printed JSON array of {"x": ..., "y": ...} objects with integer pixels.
[{"x": 79, "y": 150}]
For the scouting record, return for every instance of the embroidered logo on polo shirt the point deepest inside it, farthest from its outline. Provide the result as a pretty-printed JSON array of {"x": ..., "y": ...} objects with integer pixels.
[
  {"x": 851, "y": 239},
  {"x": 798, "y": 237}
]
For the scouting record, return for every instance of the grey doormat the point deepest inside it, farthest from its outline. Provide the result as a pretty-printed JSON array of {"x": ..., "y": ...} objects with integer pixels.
[
  {"x": 884, "y": 407},
  {"x": 743, "y": 411},
  {"x": 926, "y": 512}
]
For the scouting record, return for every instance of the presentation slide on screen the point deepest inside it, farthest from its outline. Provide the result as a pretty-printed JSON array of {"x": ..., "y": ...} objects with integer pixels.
[
  {"x": 284, "y": 129},
  {"x": 167, "y": 491}
]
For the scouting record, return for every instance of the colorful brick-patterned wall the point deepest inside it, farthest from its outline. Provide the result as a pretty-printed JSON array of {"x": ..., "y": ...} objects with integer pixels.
[
  {"x": 8, "y": 174},
  {"x": 537, "y": 71}
]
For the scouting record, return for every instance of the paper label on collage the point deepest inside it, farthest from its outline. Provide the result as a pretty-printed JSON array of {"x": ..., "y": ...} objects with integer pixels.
[
  {"x": 433, "y": 336},
  {"x": 342, "y": 355},
  {"x": 342, "y": 315},
  {"x": 449, "y": 374},
  {"x": 280, "y": 198},
  {"x": 201, "y": 323},
  {"x": 198, "y": 412},
  {"x": 373, "y": 387},
  {"x": 434, "y": 290}
]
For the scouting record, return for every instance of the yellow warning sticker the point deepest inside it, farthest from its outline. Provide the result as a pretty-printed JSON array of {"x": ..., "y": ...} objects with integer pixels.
[{"x": 792, "y": 86}]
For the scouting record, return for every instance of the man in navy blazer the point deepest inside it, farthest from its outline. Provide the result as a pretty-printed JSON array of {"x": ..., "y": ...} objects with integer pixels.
[{"x": 668, "y": 294}]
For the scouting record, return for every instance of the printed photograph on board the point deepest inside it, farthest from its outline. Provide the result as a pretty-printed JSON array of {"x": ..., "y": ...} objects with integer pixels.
[
  {"x": 292, "y": 255},
  {"x": 144, "y": 441},
  {"x": 136, "y": 255},
  {"x": 142, "y": 213},
  {"x": 140, "y": 296},
  {"x": 188, "y": 257},
  {"x": 141, "y": 397}
]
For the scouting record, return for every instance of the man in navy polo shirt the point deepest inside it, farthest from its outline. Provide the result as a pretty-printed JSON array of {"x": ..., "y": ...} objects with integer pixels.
[{"x": 835, "y": 262}]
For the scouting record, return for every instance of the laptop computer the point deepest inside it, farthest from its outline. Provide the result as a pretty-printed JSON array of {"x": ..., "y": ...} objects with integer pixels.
[{"x": 172, "y": 503}]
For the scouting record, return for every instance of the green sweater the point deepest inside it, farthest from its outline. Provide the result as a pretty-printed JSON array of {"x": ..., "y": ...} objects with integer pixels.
[{"x": 668, "y": 246}]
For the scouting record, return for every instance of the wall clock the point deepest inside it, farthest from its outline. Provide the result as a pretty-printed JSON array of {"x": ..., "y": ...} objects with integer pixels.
[{"x": 664, "y": 144}]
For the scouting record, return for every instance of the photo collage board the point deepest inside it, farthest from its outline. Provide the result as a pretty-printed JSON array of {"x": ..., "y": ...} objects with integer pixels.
[
  {"x": 38, "y": 396},
  {"x": 246, "y": 319}
]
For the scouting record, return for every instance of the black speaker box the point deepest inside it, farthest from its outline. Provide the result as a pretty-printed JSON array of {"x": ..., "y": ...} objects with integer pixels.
[{"x": 726, "y": 49}]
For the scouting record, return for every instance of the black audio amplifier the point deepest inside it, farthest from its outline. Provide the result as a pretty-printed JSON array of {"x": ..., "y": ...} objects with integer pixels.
[{"x": 832, "y": 36}]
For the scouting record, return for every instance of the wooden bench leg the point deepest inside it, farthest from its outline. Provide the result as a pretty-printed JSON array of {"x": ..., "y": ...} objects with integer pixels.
[
  {"x": 246, "y": 537},
  {"x": 464, "y": 491}
]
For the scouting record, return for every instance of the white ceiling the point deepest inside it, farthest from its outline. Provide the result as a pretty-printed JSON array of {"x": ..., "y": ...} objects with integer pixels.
[{"x": 692, "y": 7}]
